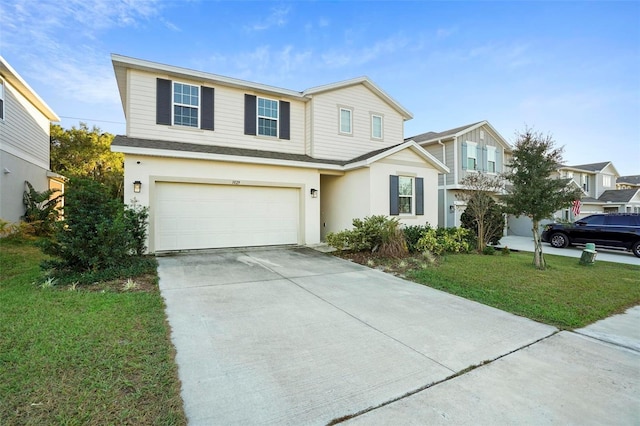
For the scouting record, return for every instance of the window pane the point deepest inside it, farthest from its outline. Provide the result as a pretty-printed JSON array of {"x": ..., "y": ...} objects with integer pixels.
[
  {"x": 404, "y": 205},
  {"x": 376, "y": 123},
  {"x": 267, "y": 127},
  {"x": 405, "y": 186},
  {"x": 345, "y": 121}
]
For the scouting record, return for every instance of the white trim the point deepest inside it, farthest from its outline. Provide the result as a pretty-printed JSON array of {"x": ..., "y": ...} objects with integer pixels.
[
  {"x": 174, "y": 103},
  {"x": 277, "y": 119},
  {"x": 408, "y": 144},
  {"x": 2, "y": 108},
  {"x": 345, "y": 108},
  {"x": 373, "y": 115}
]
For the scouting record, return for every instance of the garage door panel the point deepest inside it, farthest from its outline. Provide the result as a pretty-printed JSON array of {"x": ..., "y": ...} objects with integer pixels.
[{"x": 193, "y": 216}]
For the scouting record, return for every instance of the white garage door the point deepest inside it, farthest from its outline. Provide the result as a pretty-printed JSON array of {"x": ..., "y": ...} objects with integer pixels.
[{"x": 196, "y": 216}]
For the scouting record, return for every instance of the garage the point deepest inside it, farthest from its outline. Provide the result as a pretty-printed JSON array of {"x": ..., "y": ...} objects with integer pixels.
[{"x": 198, "y": 216}]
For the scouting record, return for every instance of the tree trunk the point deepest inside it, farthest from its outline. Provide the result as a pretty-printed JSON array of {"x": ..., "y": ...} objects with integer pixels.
[
  {"x": 538, "y": 257},
  {"x": 481, "y": 240}
]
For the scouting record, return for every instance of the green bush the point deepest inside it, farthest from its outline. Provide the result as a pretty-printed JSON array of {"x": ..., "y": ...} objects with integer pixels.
[
  {"x": 97, "y": 232},
  {"x": 489, "y": 251},
  {"x": 373, "y": 233},
  {"x": 445, "y": 240},
  {"x": 493, "y": 220},
  {"x": 136, "y": 217},
  {"x": 412, "y": 235}
]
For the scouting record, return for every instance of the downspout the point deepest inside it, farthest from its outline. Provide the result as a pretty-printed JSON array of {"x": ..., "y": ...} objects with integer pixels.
[
  {"x": 445, "y": 206},
  {"x": 455, "y": 171}
]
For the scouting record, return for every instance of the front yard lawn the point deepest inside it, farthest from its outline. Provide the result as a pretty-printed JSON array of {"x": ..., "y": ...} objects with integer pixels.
[
  {"x": 566, "y": 295},
  {"x": 72, "y": 356}
]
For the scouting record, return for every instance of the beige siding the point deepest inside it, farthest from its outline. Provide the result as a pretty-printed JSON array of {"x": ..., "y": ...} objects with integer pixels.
[
  {"x": 228, "y": 118},
  {"x": 25, "y": 130},
  {"x": 329, "y": 143}
]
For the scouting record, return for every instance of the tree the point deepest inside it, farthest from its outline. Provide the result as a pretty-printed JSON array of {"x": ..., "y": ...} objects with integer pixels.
[
  {"x": 492, "y": 221},
  {"x": 86, "y": 153},
  {"x": 533, "y": 192},
  {"x": 477, "y": 192}
]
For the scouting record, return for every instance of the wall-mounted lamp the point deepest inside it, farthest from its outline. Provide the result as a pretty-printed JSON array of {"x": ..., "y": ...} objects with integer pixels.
[
  {"x": 136, "y": 186},
  {"x": 6, "y": 171},
  {"x": 452, "y": 208},
  {"x": 314, "y": 193}
]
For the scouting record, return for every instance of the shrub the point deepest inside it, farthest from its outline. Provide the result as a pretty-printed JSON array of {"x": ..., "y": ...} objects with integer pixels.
[
  {"x": 16, "y": 231},
  {"x": 445, "y": 240},
  {"x": 412, "y": 235},
  {"x": 489, "y": 251},
  {"x": 373, "y": 233},
  {"x": 97, "y": 232},
  {"x": 505, "y": 251},
  {"x": 41, "y": 210},
  {"x": 136, "y": 218},
  {"x": 493, "y": 222}
]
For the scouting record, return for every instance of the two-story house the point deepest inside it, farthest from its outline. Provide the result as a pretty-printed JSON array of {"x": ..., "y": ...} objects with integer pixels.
[
  {"x": 473, "y": 148},
  {"x": 222, "y": 162},
  {"x": 25, "y": 121}
]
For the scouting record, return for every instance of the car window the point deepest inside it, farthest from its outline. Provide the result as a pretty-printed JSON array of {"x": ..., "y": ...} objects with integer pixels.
[
  {"x": 622, "y": 220},
  {"x": 593, "y": 220}
]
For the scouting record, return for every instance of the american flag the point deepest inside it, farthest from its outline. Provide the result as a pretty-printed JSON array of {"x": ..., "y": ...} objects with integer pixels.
[{"x": 575, "y": 207}]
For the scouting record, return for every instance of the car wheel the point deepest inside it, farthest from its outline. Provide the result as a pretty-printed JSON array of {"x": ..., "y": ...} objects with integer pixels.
[
  {"x": 559, "y": 240},
  {"x": 635, "y": 248}
]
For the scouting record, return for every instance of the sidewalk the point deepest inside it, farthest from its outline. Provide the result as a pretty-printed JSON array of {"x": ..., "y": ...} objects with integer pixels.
[{"x": 518, "y": 243}]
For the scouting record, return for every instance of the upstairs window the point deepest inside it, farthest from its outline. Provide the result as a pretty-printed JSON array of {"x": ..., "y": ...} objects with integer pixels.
[
  {"x": 376, "y": 126},
  {"x": 346, "y": 121},
  {"x": 491, "y": 159},
  {"x": 472, "y": 156},
  {"x": 186, "y": 103},
  {"x": 606, "y": 180},
  {"x": 585, "y": 182},
  {"x": 267, "y": 117}
]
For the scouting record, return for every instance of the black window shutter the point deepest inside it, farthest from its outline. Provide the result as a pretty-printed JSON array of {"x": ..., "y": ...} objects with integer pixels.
[
  {"x": 394, "y": 207},
  {"x": 249, "y": 115},
  {"x": 419, "y": 196},
  {"x": 285, "y": 118},
  {"x": 163, "y": 101},
  {"x": 207, "y": 108}
]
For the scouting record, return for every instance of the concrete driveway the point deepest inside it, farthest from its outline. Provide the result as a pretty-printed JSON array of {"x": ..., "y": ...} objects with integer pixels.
[{"x": 294, "y": 336}]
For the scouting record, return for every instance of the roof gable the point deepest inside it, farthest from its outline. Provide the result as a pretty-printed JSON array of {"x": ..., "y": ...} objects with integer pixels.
[
  {"x": 13, "y": 78},
  {"x": 618, "y": 195},
  {"x": 377, "y": 155},
  {"x": 434, "y": 137}
]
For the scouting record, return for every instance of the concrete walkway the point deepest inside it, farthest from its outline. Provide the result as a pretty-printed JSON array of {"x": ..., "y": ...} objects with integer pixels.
[
  {"x": 294, "y": 336},
  {"x": 518, "y": 243}
]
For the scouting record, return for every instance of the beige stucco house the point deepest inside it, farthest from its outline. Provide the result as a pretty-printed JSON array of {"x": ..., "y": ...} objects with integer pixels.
[
  {"x": 25, "y": 121},
  {"x": 472, "y": 148},
  {"x": 222, "y": 162}
]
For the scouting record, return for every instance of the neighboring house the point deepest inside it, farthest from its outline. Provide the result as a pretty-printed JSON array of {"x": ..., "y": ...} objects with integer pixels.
[
  {"x": 24, "y": 143},
  {"x": 222, "y": 162},
  {"x": 474, "y": 148},
  {"x": 600, "y": 194},
  {"x": 628, "y": 182}
]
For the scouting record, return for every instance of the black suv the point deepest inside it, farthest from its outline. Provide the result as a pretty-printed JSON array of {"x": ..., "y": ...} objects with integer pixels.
[{"x": 621, "y": 230}]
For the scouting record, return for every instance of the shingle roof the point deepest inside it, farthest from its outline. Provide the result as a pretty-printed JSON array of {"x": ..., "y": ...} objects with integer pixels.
[
  {"x": 593, "y": 167},
  {"x": 125, "y": 141},
  {"x": 618, "y": 195},
  {"x": 440, "y": 135},
  {"x": 634, "y": 180}
]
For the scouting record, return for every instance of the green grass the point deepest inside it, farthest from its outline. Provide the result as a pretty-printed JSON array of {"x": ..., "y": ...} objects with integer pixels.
[
  {"x": 566, "y": 294},
  {"x": 81, "y": 357}
]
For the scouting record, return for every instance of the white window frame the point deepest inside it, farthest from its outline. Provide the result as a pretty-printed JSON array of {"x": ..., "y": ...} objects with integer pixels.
[
  {"x": 174, "y": 104},
  {"x": 340, "y": 122},
  {"x": 373, "y": 129},
  {"x": 411, "y": 196},
  {"x": 585, "y": 182},
  {"x": 492, "y": 152},
  {"x": 606, "y": 180},
  {"x": 275, "y": 119},
  {"x": 472, "y": 146}
]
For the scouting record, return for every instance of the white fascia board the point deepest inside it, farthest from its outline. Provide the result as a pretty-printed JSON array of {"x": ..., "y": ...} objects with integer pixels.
[
  {"x": 221, "y": 157},
  {"x": 155, "y": 67},
  {"x": 410, "y": 144},
  {"x": 406, "y": 114},
  {"x": 12, "y": 77}
]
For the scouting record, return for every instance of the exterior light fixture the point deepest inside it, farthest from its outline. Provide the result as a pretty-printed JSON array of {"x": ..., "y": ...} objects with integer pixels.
[
  {"x": 136, "y": 186},
  {"x": 314, "y": 193},
  {"x": 452, "y": 208}
]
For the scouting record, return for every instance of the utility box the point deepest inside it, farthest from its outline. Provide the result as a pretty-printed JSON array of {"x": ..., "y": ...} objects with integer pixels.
[{"x": 588, "y": 254}]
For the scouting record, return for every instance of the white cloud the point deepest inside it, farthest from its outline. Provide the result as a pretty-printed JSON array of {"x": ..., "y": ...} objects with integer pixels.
[{"x": 277, "y": 18}]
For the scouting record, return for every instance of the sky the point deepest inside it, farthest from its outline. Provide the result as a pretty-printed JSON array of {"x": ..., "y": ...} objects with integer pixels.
[{"x": 566, "y": 69}]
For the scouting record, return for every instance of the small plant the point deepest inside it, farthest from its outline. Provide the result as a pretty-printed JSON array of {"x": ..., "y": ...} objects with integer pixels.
[
  {"x": 505, "y": 251},
  {"x": 445, "y": 240},
  {"x": 50, "y": 282},
  {"x": 41, "y": 209},
  {"x": 412, "y": 235},
  {"x": 130, "y": 285},
  {"x": 489, "y": 251}
]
